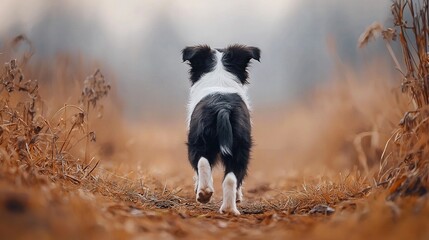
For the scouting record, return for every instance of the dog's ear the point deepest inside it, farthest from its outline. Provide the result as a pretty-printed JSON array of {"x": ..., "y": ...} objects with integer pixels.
[
  {"x": 242, "y": 53},
  {"x": 236, "y": 59},
  {"x": 254, "y": 53},
  {"x": 190, "y": 53},
  {"x": 201, "y": 60}
]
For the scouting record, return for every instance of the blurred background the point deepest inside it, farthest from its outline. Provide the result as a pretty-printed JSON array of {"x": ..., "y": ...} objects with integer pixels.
[{"x": 140, "y": 42}]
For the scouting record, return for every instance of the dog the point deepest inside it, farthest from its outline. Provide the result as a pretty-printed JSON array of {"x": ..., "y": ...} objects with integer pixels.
[{"x": 219, "y": 119}]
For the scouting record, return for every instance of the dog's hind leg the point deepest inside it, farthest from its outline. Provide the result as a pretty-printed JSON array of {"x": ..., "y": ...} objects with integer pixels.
[
  {"x": 205, "y": 181},
  {"x": 229, "y": 188},
  {"x": 235, "y": 171}
]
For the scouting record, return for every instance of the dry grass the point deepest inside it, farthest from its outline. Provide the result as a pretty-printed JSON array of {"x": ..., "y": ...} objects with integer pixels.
[
  {"x": 404, "y": 165},
  {"x": 349, "y": 161},
  {"x": 34, "y": 144}
]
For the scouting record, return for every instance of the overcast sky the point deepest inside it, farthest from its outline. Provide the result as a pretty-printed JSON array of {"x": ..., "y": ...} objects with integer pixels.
[{"x": 141, "y": 40}]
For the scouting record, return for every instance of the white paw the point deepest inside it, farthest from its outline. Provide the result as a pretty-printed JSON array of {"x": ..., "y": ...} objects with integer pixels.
[
  {"x": 204, "y": 195},
  {"x": 224, "y": 209},
  {"x": 204, "y": 182},
  {"x": 229, "y": 195}
]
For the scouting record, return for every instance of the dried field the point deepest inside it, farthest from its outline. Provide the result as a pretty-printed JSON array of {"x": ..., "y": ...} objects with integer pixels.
[{"x": 349, "y": 160}]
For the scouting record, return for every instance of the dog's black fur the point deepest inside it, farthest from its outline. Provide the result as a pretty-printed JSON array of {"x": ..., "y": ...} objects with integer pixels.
[{"x": 221, "y": 120}]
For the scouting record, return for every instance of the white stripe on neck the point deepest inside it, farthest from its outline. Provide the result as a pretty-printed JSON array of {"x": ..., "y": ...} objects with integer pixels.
[{"x": 217, "y": 81}]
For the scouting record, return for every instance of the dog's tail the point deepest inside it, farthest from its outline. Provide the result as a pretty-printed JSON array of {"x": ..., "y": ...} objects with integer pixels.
[{"x": 224, "y": 131}]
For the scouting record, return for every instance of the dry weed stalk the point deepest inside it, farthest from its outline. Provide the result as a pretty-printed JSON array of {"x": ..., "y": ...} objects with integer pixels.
[
  {"x": 95, "y": 88},
  {"x": 406, "y": 168}
]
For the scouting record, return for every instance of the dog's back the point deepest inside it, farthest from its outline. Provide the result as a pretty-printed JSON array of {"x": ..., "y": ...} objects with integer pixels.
[{"x": 220, "y": 123}]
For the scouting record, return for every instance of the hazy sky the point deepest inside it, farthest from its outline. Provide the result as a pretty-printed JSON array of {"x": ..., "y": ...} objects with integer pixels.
[{"x": 141, "y": 40}]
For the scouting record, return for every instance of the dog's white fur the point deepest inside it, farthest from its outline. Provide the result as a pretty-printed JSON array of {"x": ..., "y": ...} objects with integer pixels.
[
  {"x": 225, "y": 150},
  {"x": 205, "y": 180},
  {"x": 217, "y": 81},
  {"x": 229, "y": 187}
]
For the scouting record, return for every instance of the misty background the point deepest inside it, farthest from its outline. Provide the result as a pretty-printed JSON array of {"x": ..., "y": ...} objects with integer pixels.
[{"x": 140, "y": 41}]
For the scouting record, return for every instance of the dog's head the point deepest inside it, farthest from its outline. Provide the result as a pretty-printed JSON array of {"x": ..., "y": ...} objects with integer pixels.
[{"x": 234, "y": 59}]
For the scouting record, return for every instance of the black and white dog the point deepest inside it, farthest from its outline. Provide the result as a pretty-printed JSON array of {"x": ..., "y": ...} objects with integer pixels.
[{"x": 218, "y": 119}]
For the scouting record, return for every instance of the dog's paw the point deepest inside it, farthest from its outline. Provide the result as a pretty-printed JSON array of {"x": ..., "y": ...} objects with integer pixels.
[
  {"x": 225, "y": 209},
  {"x": 204, "y": 195}
]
